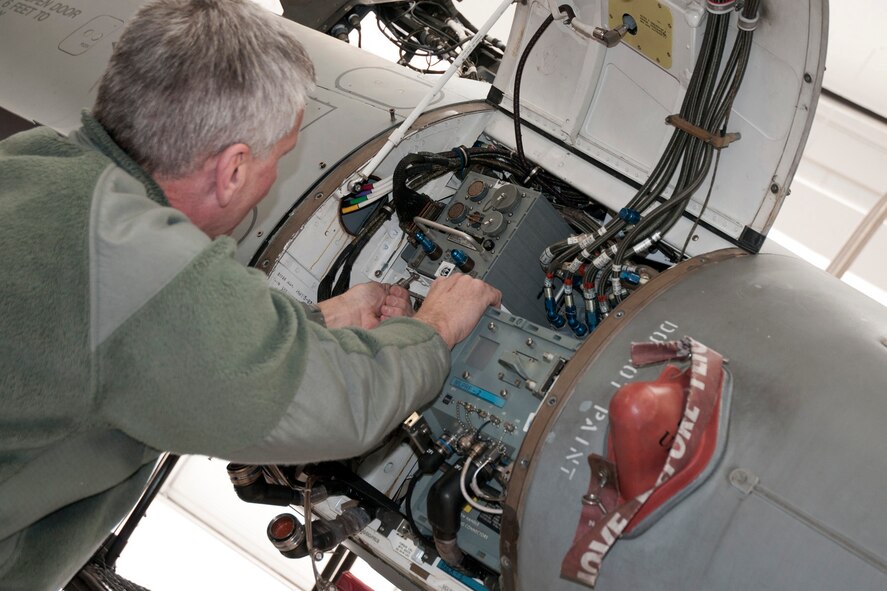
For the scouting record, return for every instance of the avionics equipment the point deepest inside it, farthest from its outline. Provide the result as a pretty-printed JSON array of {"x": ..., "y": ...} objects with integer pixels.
[
  {"x": 593, "y": 171},
  {"x": 598, "y": 169},
  {"x": 622, "y": 147}
]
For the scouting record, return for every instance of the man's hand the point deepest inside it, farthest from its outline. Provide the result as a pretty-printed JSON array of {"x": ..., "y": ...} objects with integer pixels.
[
  {"x": 397, "y": 303},
  {"x": 454, "y": 304},
  {"x": 366, "y": 305}
]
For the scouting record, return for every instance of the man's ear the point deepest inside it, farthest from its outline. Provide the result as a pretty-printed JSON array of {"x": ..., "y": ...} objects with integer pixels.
[{"x": 230, "y": 172}]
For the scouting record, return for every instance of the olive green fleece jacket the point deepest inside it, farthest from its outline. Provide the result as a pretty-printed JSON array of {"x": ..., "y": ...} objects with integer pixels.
[{"x": 125, "y": 330}]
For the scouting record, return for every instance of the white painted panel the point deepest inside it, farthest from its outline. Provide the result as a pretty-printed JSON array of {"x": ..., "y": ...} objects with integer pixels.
[{"x": 630, "y": 111}]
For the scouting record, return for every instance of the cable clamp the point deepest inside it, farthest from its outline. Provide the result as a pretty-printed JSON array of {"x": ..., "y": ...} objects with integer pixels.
[
  {"x": 720, "y": 6},
  {"x": 715, "y": 140},
  {"x": 748, "y": 24},
  {"x": 463, "y": 156}
]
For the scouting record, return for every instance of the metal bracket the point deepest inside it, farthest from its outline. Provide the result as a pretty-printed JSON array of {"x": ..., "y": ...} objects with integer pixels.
[
  {"x": 715, "y": 140},
  {"x": 462, "y": 237}
]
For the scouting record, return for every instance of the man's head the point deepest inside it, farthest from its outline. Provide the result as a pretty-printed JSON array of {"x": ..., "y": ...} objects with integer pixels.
[{"x": 206, "y": 95}]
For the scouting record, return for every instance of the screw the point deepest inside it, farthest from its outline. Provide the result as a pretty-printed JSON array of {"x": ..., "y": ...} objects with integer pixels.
[
  {"x": 620, "y": 314},
  {"x": 552, "y": 401},
  {"x": 492, "y": 326},
  {"x": 530, "y": 342},
  {"x": 259, "y": 234},
  {"x": 318, "y": 195},
  {"x": 602, "y": 477},
  {"x": 524, "y": 463},
  {"x": 548, "y": 357},
  {"x": 774, "y": 188},
  {"x": 593, "y": 499},
  {"x": 503, "y": 393},
  {"x": 465, "y": 375},
  {"x": 322, "y": 165},
  {"x": 391, "y": 113},
  {"x": 808, "y": 78},
  {"x": 505, "y": 562},
  {"x": 265, "y": 263},
  {"x": 695, "y": 238},
  {"x": 378, "y": 273},
  {"x": 318, "y": 556}
]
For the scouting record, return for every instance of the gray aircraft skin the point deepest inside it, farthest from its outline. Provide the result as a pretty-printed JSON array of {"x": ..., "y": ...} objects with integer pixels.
[
  {"x": 793, "y": 500},
  {"x": 793, "y": 495}
]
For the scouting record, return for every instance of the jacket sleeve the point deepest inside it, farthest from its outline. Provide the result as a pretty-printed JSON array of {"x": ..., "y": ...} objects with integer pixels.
[{"x": 217, "y": 363}]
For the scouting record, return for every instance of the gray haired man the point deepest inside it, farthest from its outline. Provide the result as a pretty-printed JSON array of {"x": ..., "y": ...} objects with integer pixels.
[{"x": 128, "y": 326}]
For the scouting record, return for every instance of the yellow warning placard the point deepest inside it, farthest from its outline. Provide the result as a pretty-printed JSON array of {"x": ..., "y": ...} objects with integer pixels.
[{"x": 654, "y": 27}]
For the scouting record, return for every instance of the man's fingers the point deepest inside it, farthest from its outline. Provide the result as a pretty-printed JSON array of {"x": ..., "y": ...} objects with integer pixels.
[{"x": 397, "y": 291}]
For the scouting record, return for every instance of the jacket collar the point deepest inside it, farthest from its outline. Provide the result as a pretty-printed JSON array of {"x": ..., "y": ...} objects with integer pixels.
[{"x": 93, "y": 132}]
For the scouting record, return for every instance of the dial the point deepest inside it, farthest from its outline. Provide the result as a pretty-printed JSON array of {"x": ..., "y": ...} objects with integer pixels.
[
  {"x": 505, "y": 198},
  {"x": 477, "y": 190},
  {"x": 494, "y": 224}
]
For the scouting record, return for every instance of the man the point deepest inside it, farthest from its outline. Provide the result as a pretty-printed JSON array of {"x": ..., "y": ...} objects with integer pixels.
[{"x": 127, "y": 326}]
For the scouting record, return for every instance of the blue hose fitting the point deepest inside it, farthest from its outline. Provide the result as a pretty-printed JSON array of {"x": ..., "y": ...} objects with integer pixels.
[
  {"x": 630, "y": 216},
  {"x": 554, "y": 318},
  {"x": 590, "y": 314},
  {"x": 630, "y": 277},
  {"x": 431, "y": 249},
  {"x": 579, "y": 329},
  {"x": 464, "y": 262}
]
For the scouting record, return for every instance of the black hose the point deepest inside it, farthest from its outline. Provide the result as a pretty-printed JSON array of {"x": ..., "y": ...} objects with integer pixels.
[{"x": 518, "y": 74}]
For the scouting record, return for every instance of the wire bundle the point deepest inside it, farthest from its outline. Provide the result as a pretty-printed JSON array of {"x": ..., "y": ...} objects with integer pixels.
[
  {"x": 599, "y": 256},
  {"x": 367, "y": 194},
  {"x": 434, "y": 30}
]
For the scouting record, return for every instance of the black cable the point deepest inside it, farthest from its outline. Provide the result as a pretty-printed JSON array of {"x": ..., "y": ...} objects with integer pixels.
[
  {"x": 518, "y": 74},
  {"x": 408, "y": 510},
  {"x": 152, "y": 488},
  {"x": 711, "y": 185}
]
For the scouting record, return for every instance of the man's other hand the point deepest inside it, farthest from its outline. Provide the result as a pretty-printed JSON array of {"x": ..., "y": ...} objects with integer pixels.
[
  {"x": 366, "y": 305},
  {"x": 454, "y": 305},
  {"x": 397, "y": 303}
]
